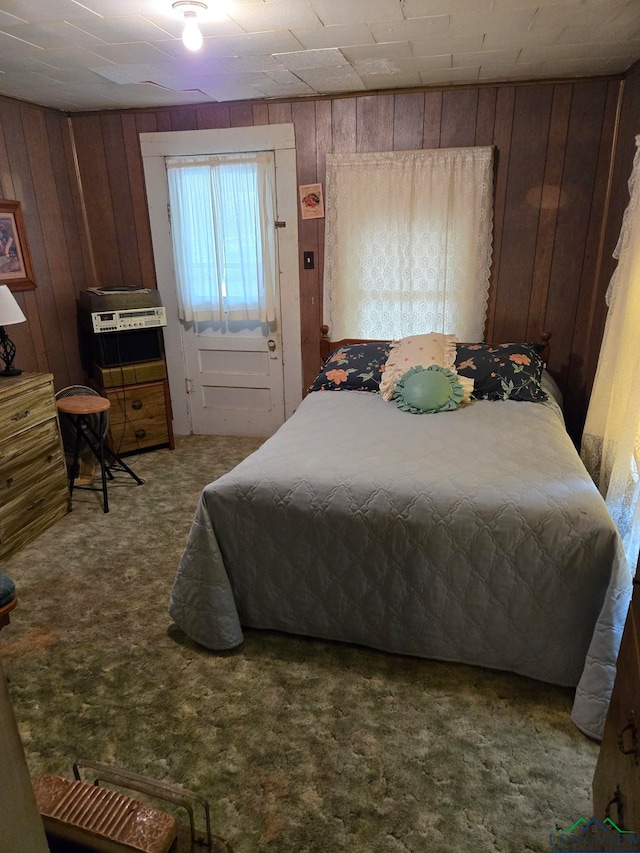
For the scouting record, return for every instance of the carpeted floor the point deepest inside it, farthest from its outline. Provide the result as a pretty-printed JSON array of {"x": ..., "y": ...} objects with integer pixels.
[{"x": 299, "y": 745}]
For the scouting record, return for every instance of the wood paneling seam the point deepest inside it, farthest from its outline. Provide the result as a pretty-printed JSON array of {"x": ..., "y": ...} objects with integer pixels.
[
  {"x": 83, "y": 204},
  {"x": 605, "y": 218}
]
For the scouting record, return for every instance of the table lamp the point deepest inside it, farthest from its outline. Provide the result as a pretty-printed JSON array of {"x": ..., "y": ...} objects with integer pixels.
[{"x": 9, "y": 313}]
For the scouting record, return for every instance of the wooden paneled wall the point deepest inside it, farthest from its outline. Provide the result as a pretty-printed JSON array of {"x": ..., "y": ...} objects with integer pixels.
[
  {"x": 554, "y": 144},
  {"x": 37, "y": 168}
]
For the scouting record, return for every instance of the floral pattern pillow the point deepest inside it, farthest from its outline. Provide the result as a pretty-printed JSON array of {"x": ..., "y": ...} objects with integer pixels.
[
  {"x": 353, "y": 367},
  {"x": 502, "y": 371}
]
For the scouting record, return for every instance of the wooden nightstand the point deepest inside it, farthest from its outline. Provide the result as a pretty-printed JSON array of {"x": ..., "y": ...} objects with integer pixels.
[{"x": 140, "y": 416}]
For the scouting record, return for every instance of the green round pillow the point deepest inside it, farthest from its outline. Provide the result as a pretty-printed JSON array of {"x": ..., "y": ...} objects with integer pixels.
[{"x": 423, "y": 390}]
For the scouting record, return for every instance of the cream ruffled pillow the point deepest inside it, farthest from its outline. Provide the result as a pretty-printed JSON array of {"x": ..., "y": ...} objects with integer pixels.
[
  {"x": 416, "y": 351},
  {"x": 421, "y": 351}
]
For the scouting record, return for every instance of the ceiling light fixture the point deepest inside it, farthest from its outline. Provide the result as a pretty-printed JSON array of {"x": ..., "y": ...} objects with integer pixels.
[{"x": 191, "y": 35}]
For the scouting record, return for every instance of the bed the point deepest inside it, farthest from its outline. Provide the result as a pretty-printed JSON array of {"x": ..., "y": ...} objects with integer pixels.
[{"x": 473, "y": 536}]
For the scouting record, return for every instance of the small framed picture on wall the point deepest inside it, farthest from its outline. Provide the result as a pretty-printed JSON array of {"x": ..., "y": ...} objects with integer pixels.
[
  {"x": 15, "y": 259},
  {"x": 311, "y": 202}
]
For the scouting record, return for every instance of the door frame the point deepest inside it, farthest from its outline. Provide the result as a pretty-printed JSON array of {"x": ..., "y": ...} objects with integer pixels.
[{"x": 279, "y": 138}]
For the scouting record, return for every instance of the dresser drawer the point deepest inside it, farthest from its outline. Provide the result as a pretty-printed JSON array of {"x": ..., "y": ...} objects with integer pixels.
[
  {"x": 616, "y": 784},
  {"x": 138, "y": 417},
  {"x": 21, "y": 412},
  {"x": 32, "y": 505},
  {"x": 28, "y": 458},
  {"x": 34, "y": 489},
  {"x": 52, "y": 509}
]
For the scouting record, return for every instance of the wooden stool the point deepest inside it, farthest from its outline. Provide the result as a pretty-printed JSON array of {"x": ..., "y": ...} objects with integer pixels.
[
  {"x": 4, "y": 612},
  {"x": 79, "y": 409}
]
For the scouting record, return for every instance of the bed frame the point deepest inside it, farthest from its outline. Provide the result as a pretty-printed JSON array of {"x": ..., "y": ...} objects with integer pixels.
[{"x": 327, "y": 345}]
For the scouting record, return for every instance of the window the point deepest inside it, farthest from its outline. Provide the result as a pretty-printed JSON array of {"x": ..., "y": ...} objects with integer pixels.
[
  {"x": 223, "y": 235},
  {"x": 408, "y": 242}
]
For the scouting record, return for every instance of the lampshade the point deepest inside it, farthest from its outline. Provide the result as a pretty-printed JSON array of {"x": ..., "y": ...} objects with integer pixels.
[
  {"x": 9, "y": 309},
  {"x": 9, "y": 313}
]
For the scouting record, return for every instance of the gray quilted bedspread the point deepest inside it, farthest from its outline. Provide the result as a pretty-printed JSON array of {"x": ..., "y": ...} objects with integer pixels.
[{"x": 473, "y": 536}]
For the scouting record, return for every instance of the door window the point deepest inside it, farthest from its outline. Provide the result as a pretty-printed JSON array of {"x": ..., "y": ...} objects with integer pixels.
[{"x": 223, "y": 236}]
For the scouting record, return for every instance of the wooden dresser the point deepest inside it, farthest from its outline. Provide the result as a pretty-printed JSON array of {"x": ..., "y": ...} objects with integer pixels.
[
  {"x": 616, "y": 783},
  {"x": 34, "y": 489}
]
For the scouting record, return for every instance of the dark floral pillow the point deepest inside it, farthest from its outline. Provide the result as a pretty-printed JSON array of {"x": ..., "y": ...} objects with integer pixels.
[
  {"x": 353, "y": 367},
  {"x": 502, "y": 371}
]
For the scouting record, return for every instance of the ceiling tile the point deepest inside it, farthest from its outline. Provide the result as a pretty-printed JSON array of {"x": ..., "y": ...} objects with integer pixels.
[
  {"x": 276, "y": 15},
  {"x": 330, "y": 57},
  {"x": 570, "y": 53},
  {"x": 135, "y": 73},
  {"x": 449, "y": 76},
  {"x": 335, "y": 36},
  {"x": 272, "y": 89},
  {"x": 420, "y": 8},
  {"x": 617, "y": 32},
  {"x": 118, "y": 8},
  {"x": 485, "y": 57},
  {"x": 17, "y": 52},
  {"x": 500, "y": 40},
  {"x": 390, "y": 50},
  {"x": 320, "y": 78},
  {"x": 229, "y": 91},
  {"x": 26, "y": 79},
  {"x": 75, "y": 77},
  {"x": 391, "y": 81},
  {"x": 580, "y": 68},
  {"x": 499, "y": 73},
  {"x": 73, "y": 57},
  {"x": 247, "y": 64},
  {"x": 52, "y": 34},
  {"x": 414, "y": 28},
  {"x": 7, "y": 20},
  {"x": 568, "y": 15},
  {"x": 131, "y": 52},
  {"x": 123, "y": 29},
  {"x": 515, "y": 20},
  {"x": 213, "y": 25},
  {"x": 424, "y": 63},
  {"x": 357, "y": 11},
  {"x": 457, "y": 44},
  {"x": 212, "y": 48},
  {"x": 249, "y": 44},
  {"x": 47, "y": 10}
]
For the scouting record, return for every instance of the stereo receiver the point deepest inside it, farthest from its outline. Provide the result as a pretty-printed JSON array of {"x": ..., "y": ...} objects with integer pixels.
[{"x": 128, "y": 319}]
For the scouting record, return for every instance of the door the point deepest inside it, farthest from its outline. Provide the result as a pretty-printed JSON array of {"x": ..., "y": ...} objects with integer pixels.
[
  {"x": 222, "y": 216},
  {"x": 229, "y": 373},
  {"x": 235, "y": 382}
]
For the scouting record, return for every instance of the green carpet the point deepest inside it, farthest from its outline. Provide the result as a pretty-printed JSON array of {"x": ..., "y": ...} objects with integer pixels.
[{"x": 299, "y": 745}]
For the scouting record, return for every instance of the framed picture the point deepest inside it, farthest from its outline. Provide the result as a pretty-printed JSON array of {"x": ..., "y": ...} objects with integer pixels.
[
  {"x": 15, "y": 260},
  {"x": 311, "y": 203}
]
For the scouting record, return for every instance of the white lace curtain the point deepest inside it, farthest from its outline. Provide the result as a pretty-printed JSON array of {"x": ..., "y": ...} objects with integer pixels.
[
  {"x": 223, "y": 235},
  {"x": 408, "y": 242},
  {"x": 611, "y": 440}
]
